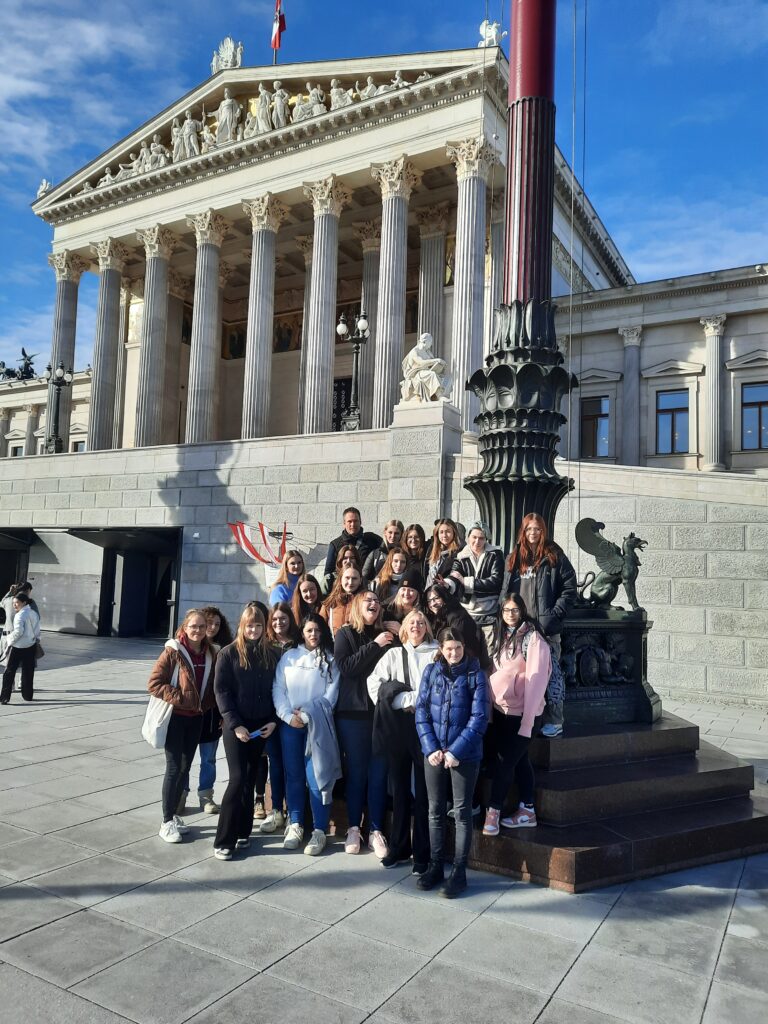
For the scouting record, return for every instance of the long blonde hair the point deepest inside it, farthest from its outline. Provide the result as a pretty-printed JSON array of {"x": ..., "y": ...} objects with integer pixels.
[
  {"x": 264, "y": 654},
  {"x": 282, "y": 576},
  {"x": 355, "y": 618},
  {"x": 403, "y": 634}
]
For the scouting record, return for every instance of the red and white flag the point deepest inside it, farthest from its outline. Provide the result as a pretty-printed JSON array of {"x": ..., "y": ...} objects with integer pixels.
[{"x": 278, "y": 25}]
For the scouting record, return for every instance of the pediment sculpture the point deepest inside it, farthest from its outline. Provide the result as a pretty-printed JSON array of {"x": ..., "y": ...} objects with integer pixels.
[
  {"x": 424, "y": 376},
  {"x": 228, "y": 55}
]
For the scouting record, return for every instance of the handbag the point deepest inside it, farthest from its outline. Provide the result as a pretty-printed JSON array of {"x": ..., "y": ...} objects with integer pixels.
[
  {"x": 39, "y": 652},
  {"x": 158, "y": 716}
]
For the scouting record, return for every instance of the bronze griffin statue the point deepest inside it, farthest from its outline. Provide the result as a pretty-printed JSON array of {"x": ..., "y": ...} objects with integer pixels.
[{"x": 618, "y": 565}]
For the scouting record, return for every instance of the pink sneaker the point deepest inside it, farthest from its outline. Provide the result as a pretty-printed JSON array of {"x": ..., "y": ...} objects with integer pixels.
[
  {"x": 378, "y": 844},
  {"x": 491, "y": 826},
  {"x": 352, "y": 842},
  {"x": 524, "y": 817}
]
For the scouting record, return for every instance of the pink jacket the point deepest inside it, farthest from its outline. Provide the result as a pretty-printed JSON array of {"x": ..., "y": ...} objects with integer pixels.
[{"x": 520, "y": 681}]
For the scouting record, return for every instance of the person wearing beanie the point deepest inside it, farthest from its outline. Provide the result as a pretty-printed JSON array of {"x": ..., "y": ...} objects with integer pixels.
[{"x": 406, "y": 600}]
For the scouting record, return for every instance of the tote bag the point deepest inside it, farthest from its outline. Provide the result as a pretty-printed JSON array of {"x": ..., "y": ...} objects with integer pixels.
[{"x": 157, "y": 717}]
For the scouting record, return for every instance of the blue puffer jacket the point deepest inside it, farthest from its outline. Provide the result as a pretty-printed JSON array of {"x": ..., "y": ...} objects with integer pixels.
[{"x": 452, "y": 709}]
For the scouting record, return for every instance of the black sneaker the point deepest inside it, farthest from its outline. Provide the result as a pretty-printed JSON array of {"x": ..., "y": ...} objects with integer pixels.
[
  {"x": 419, "y": 868},
  {"x": 392, "y": 860}
]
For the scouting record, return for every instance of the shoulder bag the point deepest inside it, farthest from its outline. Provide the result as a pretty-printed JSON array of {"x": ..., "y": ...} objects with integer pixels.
[{"x": 158, "y": 716}]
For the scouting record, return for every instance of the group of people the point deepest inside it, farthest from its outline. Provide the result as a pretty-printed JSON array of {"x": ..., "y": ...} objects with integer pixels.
[
  {"x": 404, "y": 670},
  {"x": 19, "y": 640}
]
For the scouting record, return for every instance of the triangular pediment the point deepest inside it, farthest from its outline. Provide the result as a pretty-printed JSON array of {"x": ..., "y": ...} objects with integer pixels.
[
  {"x": 673, "y": 368},
  {"x": 15, "y": 435},
  {"x": 757, "y": 360},
  {"x": 231, "y": 120},
  {"x": 596, "y": 376}
]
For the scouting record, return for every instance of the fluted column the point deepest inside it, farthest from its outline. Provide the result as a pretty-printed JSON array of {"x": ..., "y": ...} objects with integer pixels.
[
  {"x": 397, "y": 179},
  {"x": 69, "y": 267},
  {"x": 712, "y": 417},
  {"x": 119, "y": 417},
  {"x": 369, "y": 233},
  {"x": 226, "y": 270},
  {"x": 112, "y": 256},
  {"x": 159, "y": 243},
  {"x": 5, "y": 426},
  {"x": 266, "y": 213},
  {"x": 210, "y": 229},
  {"x": 433, "y": 225},
  {"x": 328, "y": 198},
  {"x": 179, "y": 290},
  {"x": 496, "y": 245},
  {"x": 473, "y": 159},
  {"x": 629, "y": 421},
  {"x": 304, "y": 243},
  {"x": 33, "y": 422}
]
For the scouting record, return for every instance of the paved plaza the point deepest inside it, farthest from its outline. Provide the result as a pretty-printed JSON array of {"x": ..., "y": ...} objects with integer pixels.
[{"x": 101, "y": 922}]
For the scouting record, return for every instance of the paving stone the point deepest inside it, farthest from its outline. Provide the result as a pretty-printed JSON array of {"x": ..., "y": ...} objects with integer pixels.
[
  {"x": 29, "y": 1000},
  {"x": 730, "y": 1005},
  {"x": 36, "y": 856},
  {"x": 168, "y": 856},
  {"x": 545, "y": 910},
  {"x": 749, "y": 917},
  {"x": 352, "y": 968},
  {"x": 106, "y": 833},
  {"x": 53, "y": 817},
  {"x": 70, "y": 950},
  {"x": 557, "y": 1011},
  {"x": 482, "y": 890},
  {"x": 164, "y": 984},
  {"x": 25, "y": 908},
  {"x": 95, "y": 880},
  {"x": 391, "y": 918},
  {"x": 243, "y": 875},
  {"x": 167, "y": 905},
  {"x": 12, "y": 834},
  {"x": 322, "y": 896},
  {"x": 742, "y": 962},
  {"x": 267, "y": 999}
]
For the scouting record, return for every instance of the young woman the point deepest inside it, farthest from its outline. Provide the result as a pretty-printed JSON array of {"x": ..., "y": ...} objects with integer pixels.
[
  {"x": 245, "y": 675},
  {"x": 183, "y": 676},
  {"x": 7, "y": 627},
  {"x": 335, "y": 608},
  {"x": 451, "y": 718},
  {"x": 415, "y": 544},
  {"x": 285, "y": 584},
  {"x": 358, "y": 648},
  {"x": 406, "y": 600},
  {"x": 348, "y": 558},
  {"x": 282, "y": 631},
  {"x": 392, "y": 533},
  {"x": 20, "y": 644},
  {"x": 443, "y": 610},
  {"x": 479, "y": 570},
  {"x": 303, "y": 676},
  {"x": 522, "y": 665},
  {"x": 443, "y": 549},
  {"x": 307, "y": 597},
  {"x": 218, "y": 634},
  {"x": 387, "y": 583},
  {"x": 393, "y": 686},
  {"x": 542, "y": 575}
]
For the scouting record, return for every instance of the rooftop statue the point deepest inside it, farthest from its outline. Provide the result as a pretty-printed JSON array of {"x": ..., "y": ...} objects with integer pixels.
[
  {"x": 424, "y": 374},
  {"x": 340, "y": 97},
  {"x": 619, "y": 565},
  {"x": 159, "y": 155},
  {"x": 227, "y": 56},
  {"x": 280, "y": 110},
  {"x": 368, "y": 91},
  {"x": 189, "y": 130},
  {"x": 264, "y": 109},
  {"x": 227, "y": 117},
  {"x": 43, "y": 187},
  {"x": 491, "y": 34}
]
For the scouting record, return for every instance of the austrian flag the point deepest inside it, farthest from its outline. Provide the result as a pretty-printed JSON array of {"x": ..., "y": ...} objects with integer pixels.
[{"x": 278, "y": 25}]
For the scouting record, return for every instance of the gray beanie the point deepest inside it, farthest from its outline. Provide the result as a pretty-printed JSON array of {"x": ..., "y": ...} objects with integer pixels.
[{"x": 480, "y": 525}]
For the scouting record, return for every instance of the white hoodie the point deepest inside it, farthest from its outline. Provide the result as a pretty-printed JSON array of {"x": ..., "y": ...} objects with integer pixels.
[
  {"x": 391, "y": 667},
  {"x": 300, "y": 678}
]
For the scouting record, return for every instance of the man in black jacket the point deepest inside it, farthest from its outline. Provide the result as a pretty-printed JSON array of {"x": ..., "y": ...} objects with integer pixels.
[{"x": 354, "y": 534}]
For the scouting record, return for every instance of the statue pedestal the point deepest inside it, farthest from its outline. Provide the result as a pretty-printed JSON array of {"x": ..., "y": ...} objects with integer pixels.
[
  {"x": 427, "y": 414},
  {"x": 605, "y": 663}
]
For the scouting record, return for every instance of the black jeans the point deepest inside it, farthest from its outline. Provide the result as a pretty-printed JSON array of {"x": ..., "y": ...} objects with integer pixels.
[
  {"x": 180, "y": 746},
  {"x": 236, "y": 814},
  {"x": 510, "y": 760},
  {"x": 462, "y": 781},
  {"x": 24, "y": 657},
  {"x": 400, "y": 763}
]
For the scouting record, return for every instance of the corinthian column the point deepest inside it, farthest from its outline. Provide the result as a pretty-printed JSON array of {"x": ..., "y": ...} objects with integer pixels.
[
  {"x": 266, "y": 213},
  {"x": 396, "y": 179},
  {"x": 210, "y": 229},
  {"x": 159, "y": 243},
  {"x": 369, "y": 233},
  {"x": 33, "y": 422},
  {"x": 117, "y": 423},
  {"x": 112, "y": 256},
  {"x": 328, "y": 197},
  {"x": 473, "y": 159},
  {"x": 433, "y": 224},
  {"x": 712, "y": 419},
  {"x": 69, "y": 267},
  {"x": 497, "y": 267},
  {"x": 630, "y": 404},
  {"x": 304, "y": 244}
]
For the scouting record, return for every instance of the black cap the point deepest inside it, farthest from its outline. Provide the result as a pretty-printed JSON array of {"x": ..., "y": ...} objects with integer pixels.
[{"x": 412, "y": 578}]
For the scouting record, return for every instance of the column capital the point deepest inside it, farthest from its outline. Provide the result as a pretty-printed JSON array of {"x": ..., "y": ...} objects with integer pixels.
[
  {"x": 714, "y": 326},
  {"x": 31, "y": 410},
  {"x": 432, "y": 220},
  {"x": 226, "y": 270},
  {"x": 266, "y": 212},
  {"x": 209, "y": 227},
  {"x": 157, "y": 241},
  {"x": 111, "y": 254},
  {"x": 631, "y": 335},
  {"x": 305, "y": 244},
  {"x": 369, "y": 234},
  {"x": 136, "y": 287},
  {"x": 68, "y": 266},
  {"x": 330, "y": 195},
  {"x": 396, "y": 178},
  {"x": 472, "y": 158},
  {"x": 179, "y": 285}
]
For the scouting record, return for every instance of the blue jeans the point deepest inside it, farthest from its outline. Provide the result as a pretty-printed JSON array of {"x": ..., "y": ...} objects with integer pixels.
[
  {"x": 276, "y": 769},
  {"x": 364, "y": 774},
  {"x": 207, "y": 767},
  {"x": 298, "y": 775}
]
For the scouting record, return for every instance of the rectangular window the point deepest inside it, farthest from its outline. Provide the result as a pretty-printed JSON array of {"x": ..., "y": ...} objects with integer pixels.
[
  {"x": 77, "y": 446},
  {"x": 671, "y": 422},
  {"x": 594, "y": 428},
  {"x": 754, "y": 417},
  {"x": 16, "y": 451}
]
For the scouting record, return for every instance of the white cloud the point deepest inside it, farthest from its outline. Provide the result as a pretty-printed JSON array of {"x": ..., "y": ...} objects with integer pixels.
[
  {"x": 32, "y": 330},
  {"x": 707, "y": 30}
]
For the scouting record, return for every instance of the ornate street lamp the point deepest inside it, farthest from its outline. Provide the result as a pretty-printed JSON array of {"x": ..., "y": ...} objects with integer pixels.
[
  {"x": 60, "y": 378},
  {"x": 351, "y": 418}
]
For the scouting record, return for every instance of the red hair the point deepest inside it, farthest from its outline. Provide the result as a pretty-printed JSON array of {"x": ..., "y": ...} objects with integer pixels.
[{"x": 523, "y": 556}]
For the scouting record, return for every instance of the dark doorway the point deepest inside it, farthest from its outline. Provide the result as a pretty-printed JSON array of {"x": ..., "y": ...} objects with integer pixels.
[{"x": 14, "y": 557}]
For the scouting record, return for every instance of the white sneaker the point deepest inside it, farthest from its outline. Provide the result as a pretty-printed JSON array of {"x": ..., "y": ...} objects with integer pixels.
[
  {"x": 169, "y": 832},
  {"x": 316, "y": 844},
  {"x": 273, "y": 821},
  {"x": 222, "y": 853},
  {"x": 242, "y": 844},
  {"x": 294, "y": 834},
  {"x": 179, "y": 822}
]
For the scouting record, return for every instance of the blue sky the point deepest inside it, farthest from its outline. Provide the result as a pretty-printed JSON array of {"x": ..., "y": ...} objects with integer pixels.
[{"x": 672, "y": 143}]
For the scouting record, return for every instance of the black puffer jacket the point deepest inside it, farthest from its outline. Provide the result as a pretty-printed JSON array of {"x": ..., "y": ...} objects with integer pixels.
[
  {"x": 356, "y": 655},
  {"x": 555, "y": 591},
  {"x": 482, "y": 584},
  {"x": 364, "y": 542},
  {"x": 244, "y": 695},
  {"x": 455, "y": 616}
]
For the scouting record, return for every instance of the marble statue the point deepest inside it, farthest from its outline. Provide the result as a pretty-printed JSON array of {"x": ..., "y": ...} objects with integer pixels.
[
  {"x": 177, "y": 141},
  {"x": 207, "y": 139},
  {"x": 317, "y": 100},
  {"x": 189, "y": 131},
  {"x": 107, "y": 178},
  {"x": 280, "y": 110},
  {"x": 340, "y": 97},
  {"x": 304, "y": 107},
  {"x": 398, "y": 82},
  {"x": 159, "y": 155},
  {"x": 43, "y": 187},
  {"x": 227, "y": 117},
  {"x": 264, "y": 109},
  {"x": 251, "y": 126},
  {"x": 142, "y": 164},
  {"x": 424, "y": 374},
  {"x": 368, "y": 91},
  {"x": 423, "y": 77},
  {"x": 127, "y": 170},
  {"x": 227, "y": 56},
  {"x": 490, "y": 34}
]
